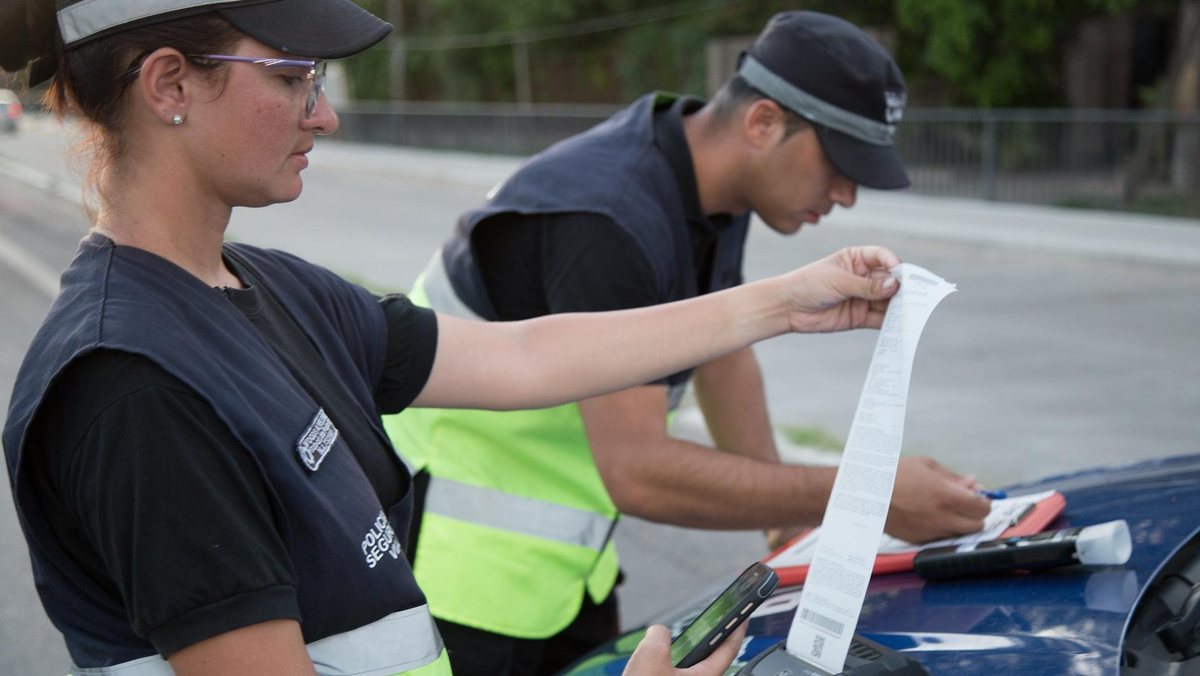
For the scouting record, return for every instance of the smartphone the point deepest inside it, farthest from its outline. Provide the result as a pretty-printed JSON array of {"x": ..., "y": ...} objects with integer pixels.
[{"x": 723, "y": 615}]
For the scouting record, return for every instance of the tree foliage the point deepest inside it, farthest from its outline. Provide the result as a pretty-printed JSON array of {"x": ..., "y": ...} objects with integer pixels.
[
  {"x": 995, "y": 52},
  {"x": 967, "y": 52}
]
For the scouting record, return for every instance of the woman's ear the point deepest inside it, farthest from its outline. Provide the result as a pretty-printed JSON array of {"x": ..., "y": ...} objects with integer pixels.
[{"x": 165, "y": 86}]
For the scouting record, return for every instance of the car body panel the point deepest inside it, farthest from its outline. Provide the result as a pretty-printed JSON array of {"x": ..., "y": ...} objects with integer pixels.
[{"x": 1068, "y": 620}]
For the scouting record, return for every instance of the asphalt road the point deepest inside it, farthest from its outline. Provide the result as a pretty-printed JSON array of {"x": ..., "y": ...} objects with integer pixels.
[
  {"x": 1043, "y": 362},
  {"x": 47, "y": 228}
]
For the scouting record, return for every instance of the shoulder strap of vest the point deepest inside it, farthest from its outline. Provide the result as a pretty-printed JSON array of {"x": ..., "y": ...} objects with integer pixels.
[{"x": 327, "y": 307}]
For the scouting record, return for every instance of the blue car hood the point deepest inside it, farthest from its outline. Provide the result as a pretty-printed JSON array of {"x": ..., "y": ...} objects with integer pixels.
[{"x": 1064, "y": 621}]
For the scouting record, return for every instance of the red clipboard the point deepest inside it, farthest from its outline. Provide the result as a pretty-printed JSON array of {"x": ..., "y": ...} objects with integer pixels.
[{"x": 1035, "y": 521}]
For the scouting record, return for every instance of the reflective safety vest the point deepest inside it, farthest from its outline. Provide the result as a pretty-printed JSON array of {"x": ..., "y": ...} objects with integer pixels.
[
  {"x": 406, "y": 641},
  {"x": 361, "y": 609},
  {"x": 517, "y": 523}
]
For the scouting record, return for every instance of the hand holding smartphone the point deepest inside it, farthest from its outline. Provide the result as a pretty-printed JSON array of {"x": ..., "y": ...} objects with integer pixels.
[
  {"x": 723, "y": 615},
  {"x": 653, "y": 655}
]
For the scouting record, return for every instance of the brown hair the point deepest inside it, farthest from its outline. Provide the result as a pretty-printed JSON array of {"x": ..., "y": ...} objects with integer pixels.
[
  {"x": 27, "y": 39},
  {"x": 90, "y": 81}
]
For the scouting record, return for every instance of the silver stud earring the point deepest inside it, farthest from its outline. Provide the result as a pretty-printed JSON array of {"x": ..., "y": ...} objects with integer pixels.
[{"x": 177, "y": 119}]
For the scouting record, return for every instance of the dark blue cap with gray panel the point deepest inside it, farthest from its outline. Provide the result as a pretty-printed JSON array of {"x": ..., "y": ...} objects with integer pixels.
[
  {"x": 833, "y": 74},
  {"x": 324, "y": 29}
]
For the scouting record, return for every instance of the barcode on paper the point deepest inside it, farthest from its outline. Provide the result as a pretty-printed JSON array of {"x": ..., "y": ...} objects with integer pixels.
[{"x": 826, "y": 623}]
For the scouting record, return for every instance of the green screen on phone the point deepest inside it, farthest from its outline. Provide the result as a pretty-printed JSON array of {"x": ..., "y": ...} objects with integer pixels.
[{"x": 735, "y": 594}]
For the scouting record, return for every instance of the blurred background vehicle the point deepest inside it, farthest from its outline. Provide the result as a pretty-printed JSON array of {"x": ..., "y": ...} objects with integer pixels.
[{"x": 10, "y": 111}]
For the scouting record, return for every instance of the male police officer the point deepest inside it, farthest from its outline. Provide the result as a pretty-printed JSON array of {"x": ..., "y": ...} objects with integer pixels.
[{"x": 514, "y": 550}]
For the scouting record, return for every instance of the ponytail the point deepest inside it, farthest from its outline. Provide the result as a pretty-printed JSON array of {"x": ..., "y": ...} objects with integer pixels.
[
  {"x": 29, "y": 46},
  {"x": 90, "y": 80}
]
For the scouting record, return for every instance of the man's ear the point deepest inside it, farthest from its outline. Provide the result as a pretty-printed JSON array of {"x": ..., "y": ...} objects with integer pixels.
[
  {"x": 763, "y": 123},
  {"x": 164, "y": 84}
]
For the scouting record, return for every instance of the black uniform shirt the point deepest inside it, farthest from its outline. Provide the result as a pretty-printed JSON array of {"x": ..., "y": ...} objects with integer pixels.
[{"x": 702, "y": 229}]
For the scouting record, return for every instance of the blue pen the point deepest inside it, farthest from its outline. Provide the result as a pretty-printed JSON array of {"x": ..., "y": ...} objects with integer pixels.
[{"x": 993, "y": 495}]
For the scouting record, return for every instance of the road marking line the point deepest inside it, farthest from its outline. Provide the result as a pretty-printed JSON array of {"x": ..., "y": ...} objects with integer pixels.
[
  {"x": 47, "y": 182},
  {"x": 41, "y": 276}
]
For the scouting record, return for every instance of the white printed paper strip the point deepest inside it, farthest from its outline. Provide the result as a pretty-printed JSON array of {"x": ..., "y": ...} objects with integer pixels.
[{"x": 833, "y": 595}]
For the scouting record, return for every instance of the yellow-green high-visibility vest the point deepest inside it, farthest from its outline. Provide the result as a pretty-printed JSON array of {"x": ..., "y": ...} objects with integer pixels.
[{"x": 517, "y": 523}]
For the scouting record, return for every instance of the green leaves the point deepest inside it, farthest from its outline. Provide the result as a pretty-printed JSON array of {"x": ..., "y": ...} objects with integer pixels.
[
  {"x": 989, "y": 53},
  {"x": 996, "y": 53}
]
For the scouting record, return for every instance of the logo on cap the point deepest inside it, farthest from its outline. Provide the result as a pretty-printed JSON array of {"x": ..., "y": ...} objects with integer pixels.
[{"x": 895, "y": 109}]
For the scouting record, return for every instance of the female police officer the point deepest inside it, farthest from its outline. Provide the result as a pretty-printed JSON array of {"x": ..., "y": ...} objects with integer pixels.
[{"x": 193, "y": 439}]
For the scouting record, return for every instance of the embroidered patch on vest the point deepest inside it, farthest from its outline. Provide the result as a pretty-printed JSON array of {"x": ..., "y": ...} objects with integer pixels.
[
  {"x": 317, "y": 440},
  {"x": 380, "y": 540}
]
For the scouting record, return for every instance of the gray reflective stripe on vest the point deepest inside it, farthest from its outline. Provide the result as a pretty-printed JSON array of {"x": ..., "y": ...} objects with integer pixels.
[
  {"x": 400, "y": 642},
  {"x": 440, "y": 291},
  {"x": 89, "y": 17},
  {"x": 517, "y": 514},
  {"x": 809, "y": 106},
  {"x": 146, "y": 666}
]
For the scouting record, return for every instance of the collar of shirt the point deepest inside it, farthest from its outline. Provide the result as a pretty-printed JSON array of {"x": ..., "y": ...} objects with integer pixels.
[
  {"x": 246, "y": 299},
  {"x": 672, "y": 143}
]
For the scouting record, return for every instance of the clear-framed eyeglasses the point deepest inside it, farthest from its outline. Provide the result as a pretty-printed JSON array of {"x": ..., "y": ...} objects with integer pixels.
[
  {"x": 316, "y": 73},
  {"x": 315, "y": 77}
]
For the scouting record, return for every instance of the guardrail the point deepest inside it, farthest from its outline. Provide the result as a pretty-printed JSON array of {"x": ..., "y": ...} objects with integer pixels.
[
  {"x": 506, "y": 129},
  {"x": 1041, "y": 156},
  {"x": 1066, "y": 157}
]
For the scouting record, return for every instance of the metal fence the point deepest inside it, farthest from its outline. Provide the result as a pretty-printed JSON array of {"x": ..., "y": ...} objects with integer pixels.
[
  {"x": 505, "y": 129},
  {"x": 1064, "y": 157}
]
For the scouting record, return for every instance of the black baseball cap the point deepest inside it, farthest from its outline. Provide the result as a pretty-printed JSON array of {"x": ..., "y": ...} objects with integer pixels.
[
  {"x": 322, "y": 29},
  {"x": 834, "y": 75}
]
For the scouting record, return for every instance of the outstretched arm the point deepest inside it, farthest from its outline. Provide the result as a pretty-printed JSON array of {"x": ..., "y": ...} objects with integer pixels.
[
  {"x": 652, "y": 476},
  {"x": 562, "y": 358},
  {"x": 655, "y": 477}
]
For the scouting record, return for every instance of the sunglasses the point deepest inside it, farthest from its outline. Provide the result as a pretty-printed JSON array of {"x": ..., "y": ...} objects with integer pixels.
[{"x": 316, "y": 72}]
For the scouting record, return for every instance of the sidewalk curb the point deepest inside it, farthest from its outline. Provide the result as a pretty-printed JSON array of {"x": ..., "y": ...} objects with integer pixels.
[
  {"x": 1099, "y": 234},
  {"x": 1103, "y": 234}
]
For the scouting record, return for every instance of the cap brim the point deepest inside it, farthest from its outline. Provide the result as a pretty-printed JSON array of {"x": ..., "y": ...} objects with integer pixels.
[
  {"x": 867, "y": 164},
  {"x": 321, "y": 29}
]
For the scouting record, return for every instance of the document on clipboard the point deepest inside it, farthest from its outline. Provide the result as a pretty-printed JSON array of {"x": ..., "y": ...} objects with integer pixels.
[{"x": 1019, "y": 515}]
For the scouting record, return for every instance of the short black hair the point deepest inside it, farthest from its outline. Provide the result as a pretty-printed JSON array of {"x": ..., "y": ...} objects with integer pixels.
[{"x": 736, "y": 93}]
